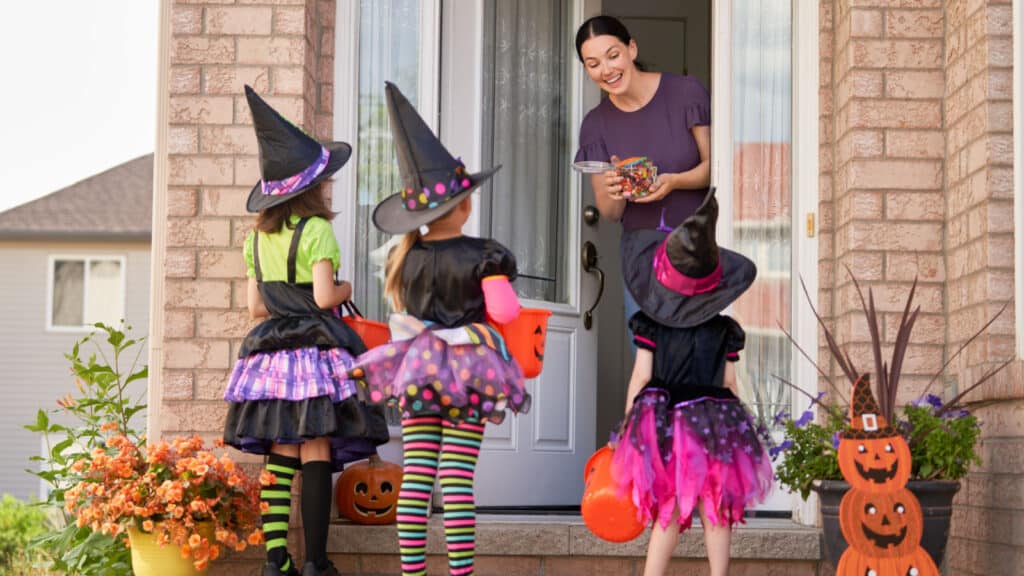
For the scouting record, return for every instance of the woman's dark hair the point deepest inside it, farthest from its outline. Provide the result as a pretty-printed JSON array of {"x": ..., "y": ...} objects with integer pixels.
[
  {"x": 306, "y": 205},
  {"x": 600, "y": 26}
]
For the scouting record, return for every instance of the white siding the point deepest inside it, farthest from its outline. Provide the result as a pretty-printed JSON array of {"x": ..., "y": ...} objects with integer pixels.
[{"x": 33, "y": 370}]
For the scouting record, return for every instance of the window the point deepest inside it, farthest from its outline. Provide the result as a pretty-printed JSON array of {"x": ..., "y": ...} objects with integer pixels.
[{"x": 85, "y": 290}]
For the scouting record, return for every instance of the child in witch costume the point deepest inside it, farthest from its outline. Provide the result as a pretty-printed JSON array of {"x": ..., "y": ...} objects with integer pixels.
[
  {"x": 447, "y": 368},
  {"x": 290, "y": 395},
  {"x": 687, "y": 441}
]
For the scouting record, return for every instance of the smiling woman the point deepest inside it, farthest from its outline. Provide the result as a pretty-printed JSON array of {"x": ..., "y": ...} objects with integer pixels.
[{"x": 661, "y": 117}]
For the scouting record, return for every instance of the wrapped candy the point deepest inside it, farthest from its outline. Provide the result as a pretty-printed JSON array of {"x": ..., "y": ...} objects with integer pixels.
[{"x": 638, "y": 175}]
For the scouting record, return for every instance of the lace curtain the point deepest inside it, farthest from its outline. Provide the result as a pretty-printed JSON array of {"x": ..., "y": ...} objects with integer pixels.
[
  {"x": 525, "y": 118},
  {"x": 388, "y": 50},
  {"x": 761, "y": 222}
]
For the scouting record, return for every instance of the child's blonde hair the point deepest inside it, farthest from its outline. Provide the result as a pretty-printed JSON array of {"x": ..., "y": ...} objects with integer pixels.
[{"x": 393, "y": 270}]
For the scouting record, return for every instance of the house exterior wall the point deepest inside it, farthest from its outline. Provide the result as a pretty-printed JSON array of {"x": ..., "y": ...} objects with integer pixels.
[
  {"x": 915, "y": 182},
  {"x": 35, "y": 372},
  {"x": 917, "y": 160}
]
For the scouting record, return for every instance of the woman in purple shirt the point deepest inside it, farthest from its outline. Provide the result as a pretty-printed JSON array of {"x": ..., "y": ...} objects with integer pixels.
[{"x": 662, "y": 116}]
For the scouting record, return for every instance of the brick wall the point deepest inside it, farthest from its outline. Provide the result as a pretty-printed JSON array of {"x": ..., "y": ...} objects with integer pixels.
[
  {"x": 887, "y": 201},
  {"x": 284, "y": 49},
  {"x": 916, "y": 149},
  {"x": 989, "y": 514}
]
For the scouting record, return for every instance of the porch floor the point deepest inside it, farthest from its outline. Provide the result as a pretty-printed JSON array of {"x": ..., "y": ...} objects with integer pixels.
[{"x": 567, "y": 536}]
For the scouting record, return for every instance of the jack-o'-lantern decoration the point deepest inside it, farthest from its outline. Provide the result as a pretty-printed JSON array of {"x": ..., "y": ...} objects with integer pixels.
[
  {"x": 881, "y": 520},
  {"x": 884, "y": 525},
  {"x": 919, "y": 563},
  {"x": 525, "y": 338},
  {"x": 873, "y": 457},
  {"x": 367, "y": 492}
]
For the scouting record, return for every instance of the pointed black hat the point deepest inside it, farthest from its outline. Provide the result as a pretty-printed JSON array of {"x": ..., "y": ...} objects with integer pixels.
[
  {"x": 684, "y": 279},
  {"x": 291, "y": 162},
  {"x": 433, "y": 182}
]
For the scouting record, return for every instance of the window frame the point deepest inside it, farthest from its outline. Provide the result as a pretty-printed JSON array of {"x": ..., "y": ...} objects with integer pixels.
[{"x": 86, "y": 259}]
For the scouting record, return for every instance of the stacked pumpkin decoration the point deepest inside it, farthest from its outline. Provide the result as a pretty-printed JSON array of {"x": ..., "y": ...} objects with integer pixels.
[
  {"x": 881, "y": 520},
  {"x": 367, "y": 492}
]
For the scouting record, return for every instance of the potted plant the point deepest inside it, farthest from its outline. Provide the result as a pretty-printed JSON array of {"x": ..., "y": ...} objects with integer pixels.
[
  {"x": 174, "y": 492},
  {"x": 942, "y": 434}
]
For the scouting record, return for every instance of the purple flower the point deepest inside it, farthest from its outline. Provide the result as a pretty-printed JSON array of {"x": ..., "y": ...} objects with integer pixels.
[
  {"x": 929, "y": 400},
  {"x": 805, "y": 418},
  {"x": 780, "y": 417},
  {"x": 776, "y": 450},
  {"x": 835, "y": 440},
  {"x": 956, "y": 414}
]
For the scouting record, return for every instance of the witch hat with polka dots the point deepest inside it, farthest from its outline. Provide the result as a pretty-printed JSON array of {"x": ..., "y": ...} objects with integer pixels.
[{"x": 433, "y": 181}]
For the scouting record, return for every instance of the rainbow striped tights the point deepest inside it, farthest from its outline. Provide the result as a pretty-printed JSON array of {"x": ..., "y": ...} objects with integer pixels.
[{"x": 435, "y": 447}]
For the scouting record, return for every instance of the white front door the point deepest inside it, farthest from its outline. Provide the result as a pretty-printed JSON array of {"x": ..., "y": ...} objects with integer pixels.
[
  {"x": 507, "y": 98},
  {"x": 497, "y": 81}
]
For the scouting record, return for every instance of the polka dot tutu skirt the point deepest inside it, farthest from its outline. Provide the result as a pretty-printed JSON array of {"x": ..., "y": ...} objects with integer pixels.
[{"x": 460, "y": 373}]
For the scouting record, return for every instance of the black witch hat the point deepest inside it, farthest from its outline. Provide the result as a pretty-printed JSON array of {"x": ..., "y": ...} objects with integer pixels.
[
  {"x": 291, "y": 162},
  {"x": 433, "y": 182},
  {"x": 685, "y": 279}
]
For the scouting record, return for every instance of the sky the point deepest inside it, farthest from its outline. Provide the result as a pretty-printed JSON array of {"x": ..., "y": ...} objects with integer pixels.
[{"x": 78, "y": 94}]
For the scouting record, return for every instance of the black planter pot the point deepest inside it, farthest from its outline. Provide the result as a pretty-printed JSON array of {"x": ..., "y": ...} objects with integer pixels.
[{"x": 935, "y": 496}]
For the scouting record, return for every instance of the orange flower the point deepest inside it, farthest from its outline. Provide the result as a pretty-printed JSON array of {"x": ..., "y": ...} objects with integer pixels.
[
  {"x": 255, "y": 538},
  {"x": 195, "y": 540},
  {"x": 267, "y": 478},
  {"x": 147, "y": 525}
]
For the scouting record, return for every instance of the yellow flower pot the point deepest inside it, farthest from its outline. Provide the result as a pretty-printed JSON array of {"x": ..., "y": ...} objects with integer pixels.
[{"x": 151, "y": 559}]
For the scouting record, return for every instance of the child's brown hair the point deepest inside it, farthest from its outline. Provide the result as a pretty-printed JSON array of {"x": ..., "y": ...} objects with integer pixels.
[{"x": 305, "y": 205}]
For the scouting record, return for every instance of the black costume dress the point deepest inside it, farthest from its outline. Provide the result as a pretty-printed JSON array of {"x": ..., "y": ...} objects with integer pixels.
[
  {"x": 688, "y": 439},
  {"x": 291, "y": 382}
]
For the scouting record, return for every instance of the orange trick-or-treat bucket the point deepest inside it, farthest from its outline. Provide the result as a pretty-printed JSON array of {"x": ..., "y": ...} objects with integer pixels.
[
  {"x": 371, "y": 332},
  {"x": 609, "y": 516},
  {"x": 525, "y": 337}
]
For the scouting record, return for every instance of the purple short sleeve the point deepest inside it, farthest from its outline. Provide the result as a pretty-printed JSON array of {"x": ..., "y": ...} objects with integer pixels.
[{"x": 591, "y": 140}]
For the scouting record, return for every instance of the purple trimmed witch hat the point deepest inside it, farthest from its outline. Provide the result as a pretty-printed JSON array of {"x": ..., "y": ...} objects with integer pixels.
[
  {"x": 684, "y": 279},
  {"x": 291, "y": 162},
  {"x": 433, "y": 182}
]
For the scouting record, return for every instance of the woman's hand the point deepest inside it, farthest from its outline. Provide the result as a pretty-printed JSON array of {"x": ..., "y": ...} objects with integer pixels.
[
  {"x": 662, "y": 186},
  {"x": 608, "y": 193},
  {"x": 613, "y": 182}
]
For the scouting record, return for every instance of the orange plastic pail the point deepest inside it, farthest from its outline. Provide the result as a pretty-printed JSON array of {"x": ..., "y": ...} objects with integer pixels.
[
  {"x": 608, "y": 515},
  {"x": 525, "y": 337}
]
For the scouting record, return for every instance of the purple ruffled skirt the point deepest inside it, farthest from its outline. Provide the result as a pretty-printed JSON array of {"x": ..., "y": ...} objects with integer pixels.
[{"x": 459, "y": 373}]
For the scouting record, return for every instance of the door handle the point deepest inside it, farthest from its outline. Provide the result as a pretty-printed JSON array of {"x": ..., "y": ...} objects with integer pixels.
[
  {"x": 589, "y": 260},
  {"x": 591, "y": 215}
]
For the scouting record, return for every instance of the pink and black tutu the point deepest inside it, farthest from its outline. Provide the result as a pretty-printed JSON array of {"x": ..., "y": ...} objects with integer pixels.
[
  {"x": 700, "y": 449},
  {"x": 463, "y": 373}
]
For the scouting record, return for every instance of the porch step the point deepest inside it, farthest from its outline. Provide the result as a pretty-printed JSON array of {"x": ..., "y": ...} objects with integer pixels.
[{"x": 567, "y": 536}]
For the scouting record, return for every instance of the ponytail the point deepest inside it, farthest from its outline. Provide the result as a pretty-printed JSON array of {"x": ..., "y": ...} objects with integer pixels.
[{"x": 393, "y": 270}]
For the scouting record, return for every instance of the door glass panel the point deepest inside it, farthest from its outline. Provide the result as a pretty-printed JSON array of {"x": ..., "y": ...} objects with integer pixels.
[
  {"x": 526, "y": 45},
  {"x": 761, "y": 116},
  {"x": 389, "y": 44}
]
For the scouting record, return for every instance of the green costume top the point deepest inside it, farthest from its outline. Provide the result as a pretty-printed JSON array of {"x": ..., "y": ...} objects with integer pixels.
[{"x": 317, "y": 243}]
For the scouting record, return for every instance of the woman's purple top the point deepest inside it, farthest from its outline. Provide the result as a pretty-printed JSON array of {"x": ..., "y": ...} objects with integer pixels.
[{"x": 661, "y": 132}]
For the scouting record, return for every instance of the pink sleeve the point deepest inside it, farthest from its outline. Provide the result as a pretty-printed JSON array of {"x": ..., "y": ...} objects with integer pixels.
[{"x": 500, "y": 299}]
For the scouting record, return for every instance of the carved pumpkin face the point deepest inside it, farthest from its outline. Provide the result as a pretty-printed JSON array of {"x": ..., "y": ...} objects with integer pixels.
[
  {"x": 856, "y": 563},
  {"x": 367, "y": 492},
  {"x": 883, "y": 525},
  {"x": 525, "y": 338},
  {"x": 876, "y": 464}
]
